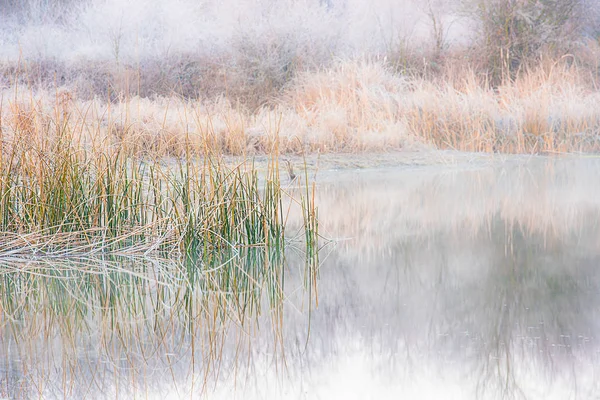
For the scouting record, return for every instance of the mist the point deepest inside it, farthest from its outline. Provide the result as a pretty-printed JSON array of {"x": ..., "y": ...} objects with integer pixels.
[{"x": 311, "y": 33}]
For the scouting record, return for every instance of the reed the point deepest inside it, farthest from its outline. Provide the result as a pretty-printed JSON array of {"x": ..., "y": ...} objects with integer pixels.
[
  {"x": 352, "y": 106},
  {"x": 62, "y": 193},
  {"x": 206, "y": 239}
]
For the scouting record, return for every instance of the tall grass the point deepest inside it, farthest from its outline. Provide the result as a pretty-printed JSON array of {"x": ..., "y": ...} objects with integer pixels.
[
  {"x": 206, "y": 237},
  {"x": 352, "y": 107},
  {"x": 65, "y": 188}
]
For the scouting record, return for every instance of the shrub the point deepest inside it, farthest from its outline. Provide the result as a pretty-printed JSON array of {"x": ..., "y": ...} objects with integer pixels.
[
  {"x": 514, "y": 32},
  {"x": 36, "y": 10}
]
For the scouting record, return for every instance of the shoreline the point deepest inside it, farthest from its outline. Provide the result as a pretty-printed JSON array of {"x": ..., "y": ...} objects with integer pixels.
[{"x": 328, "y": 166}]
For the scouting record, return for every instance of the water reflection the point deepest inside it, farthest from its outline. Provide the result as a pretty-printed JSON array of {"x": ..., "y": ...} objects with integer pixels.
[
  {"x": 463, "y": 283},
  {"x": 123, "y": 327},
  {"x": 456, "y": 282}
]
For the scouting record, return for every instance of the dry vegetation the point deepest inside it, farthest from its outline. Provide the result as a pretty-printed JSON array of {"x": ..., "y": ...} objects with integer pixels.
[
  {"x": 313, "y": 76},
  {"x": 351, "y": 107}
]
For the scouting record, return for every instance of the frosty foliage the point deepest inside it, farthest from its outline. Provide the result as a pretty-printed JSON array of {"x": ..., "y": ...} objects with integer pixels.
[{"x": 134, "y": 30}]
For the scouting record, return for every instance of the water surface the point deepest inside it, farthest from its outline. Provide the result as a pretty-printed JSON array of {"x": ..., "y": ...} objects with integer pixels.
[{"x": 460, "y": 281}]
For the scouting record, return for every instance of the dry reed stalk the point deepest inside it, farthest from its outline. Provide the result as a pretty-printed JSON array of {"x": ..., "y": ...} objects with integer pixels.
[{"x": 350, "y": 107}]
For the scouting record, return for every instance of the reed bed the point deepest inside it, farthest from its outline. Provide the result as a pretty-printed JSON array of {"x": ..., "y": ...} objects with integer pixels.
[
  {"x": 352, "y": 106},
  {"x": 60, "y": 194},
  {"x": 134, "y": 253}
]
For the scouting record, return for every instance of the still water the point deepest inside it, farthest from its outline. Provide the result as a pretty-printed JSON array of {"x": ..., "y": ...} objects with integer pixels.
[{"x": 462, "y": 281}]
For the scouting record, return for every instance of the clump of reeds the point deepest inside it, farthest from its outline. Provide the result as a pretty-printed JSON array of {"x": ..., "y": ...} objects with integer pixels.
[
  {"x": 204, "y": 243},
  {"x": 64, "y": 192},
  {"x": 68, "y": 192}
]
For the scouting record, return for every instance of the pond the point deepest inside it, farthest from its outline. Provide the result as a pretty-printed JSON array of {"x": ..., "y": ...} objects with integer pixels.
[{"x": 471, "y": 280}]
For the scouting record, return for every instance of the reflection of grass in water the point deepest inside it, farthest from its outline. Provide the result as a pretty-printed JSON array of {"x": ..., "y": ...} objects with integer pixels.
[
  {"x": 64, "y": 196},
  {"x": 136, "y": 309}
]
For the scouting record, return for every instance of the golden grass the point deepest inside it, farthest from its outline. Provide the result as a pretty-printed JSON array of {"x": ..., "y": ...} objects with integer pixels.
[{"x": 351, "y": 107}]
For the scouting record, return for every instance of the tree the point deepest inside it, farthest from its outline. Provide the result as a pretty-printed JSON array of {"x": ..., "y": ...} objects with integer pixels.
[{"x": 516, "y": 31}]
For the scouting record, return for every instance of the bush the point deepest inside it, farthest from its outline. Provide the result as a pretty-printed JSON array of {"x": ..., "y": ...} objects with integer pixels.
[
  {"x": 514, "y": 32},
  {"x": 36, "y": 10}
]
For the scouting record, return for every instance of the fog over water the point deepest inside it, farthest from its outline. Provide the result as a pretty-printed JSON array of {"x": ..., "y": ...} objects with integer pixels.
[
  {"x": 462, "y": 281},
  {"x": 468, "y": 278}
]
